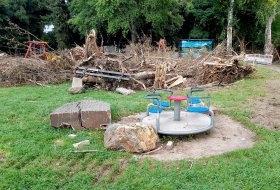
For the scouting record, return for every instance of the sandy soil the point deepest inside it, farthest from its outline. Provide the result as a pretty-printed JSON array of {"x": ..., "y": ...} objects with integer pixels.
[{"x": 228, "y": 135}]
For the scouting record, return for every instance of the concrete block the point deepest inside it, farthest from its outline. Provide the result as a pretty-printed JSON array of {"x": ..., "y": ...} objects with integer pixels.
[
  {"x": 95, "y": 114},
  {"x": 66, "y": 116},
  {"x": 77, "y": 82},
  {"x": 87, "y": 114}
]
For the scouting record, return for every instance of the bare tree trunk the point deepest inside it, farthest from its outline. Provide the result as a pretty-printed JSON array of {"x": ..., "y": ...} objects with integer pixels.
[
  {"x": 229, "y": 28},
  {"x": 133, "y": 32},
  {"x": 268, "y": 47},
  {"x": 242, "y": 45}
]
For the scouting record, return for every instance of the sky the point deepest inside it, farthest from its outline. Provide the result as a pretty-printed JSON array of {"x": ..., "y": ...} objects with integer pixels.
[{"x": 48, "y": 28}]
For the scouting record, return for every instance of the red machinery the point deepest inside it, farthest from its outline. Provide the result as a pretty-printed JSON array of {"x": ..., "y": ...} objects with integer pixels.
[{"x": 39, "y": 49}]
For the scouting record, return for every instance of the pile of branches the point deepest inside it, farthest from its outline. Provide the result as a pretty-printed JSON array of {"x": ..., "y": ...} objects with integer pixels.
[
  {"x": 147, "y": 67},
  {"x": 151, "y": 68},
  {"x": 19, "y": 71}
]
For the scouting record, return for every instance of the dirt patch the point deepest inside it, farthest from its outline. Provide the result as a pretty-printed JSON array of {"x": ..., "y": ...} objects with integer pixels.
[
  {"x": 102, "y": 172},
  {"x": 59, "y": 142},
  {"x": 228, "y": 135},
  {"x": 2, "y": 157},
  {"x": 266, "y": 108}
]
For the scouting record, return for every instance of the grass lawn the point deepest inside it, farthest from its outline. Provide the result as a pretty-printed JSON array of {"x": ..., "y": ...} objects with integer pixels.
[{"x": 35, "y": 156}]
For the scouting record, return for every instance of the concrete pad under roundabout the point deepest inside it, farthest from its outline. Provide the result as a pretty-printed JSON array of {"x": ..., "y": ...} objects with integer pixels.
[{"x": 190, "y": 123}]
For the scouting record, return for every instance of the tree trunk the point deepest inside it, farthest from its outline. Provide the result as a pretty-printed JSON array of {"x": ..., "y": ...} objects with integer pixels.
[
  {"x": 242, "y": 45},
  {"x": 268, "y": 47},
  {"x": 133, "y": 32},
  {"x": 229, "y": 28}
]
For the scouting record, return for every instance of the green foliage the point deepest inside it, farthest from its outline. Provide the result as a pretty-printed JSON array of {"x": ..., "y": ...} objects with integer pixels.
[
  {"x": 127, "y": 16},
  {"x": 28, "y": 14},
  {"x": 84, "y": 16},
  {"x": 114, "y": 19},
  {"x": 3, "y": 11},
  {"x": 276, "y": 31},
  {"x": 59, "y": 17},
  {"x": 209, "y": 18},
  {"x": 265, "y": 8},
  {"x": 120, "y": 15},
  {"x": 198, "y": 33},
  {"x": 163, "y": 15}
]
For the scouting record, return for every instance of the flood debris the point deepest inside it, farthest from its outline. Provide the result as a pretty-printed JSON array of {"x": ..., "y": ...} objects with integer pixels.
[
  {"x": 125, "y": 91},
  {"x": 72, "y": 136},
  {"x": 140, "y": 67},
  {"x": 81, "y": 144}
]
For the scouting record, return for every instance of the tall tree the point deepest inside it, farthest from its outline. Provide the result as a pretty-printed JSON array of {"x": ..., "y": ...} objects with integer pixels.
[
  {"x": 128, "y": 17},
  {"x": 26, "y": 14},
  {"x": 207, "y": 20},
  {"x": 276, "y": 31},
  {"x": 268, "y": 47},
  {"x": 267, "y": 12},
  {"x": 229, "y": 27},
  {"x": 59, "y": 18}
]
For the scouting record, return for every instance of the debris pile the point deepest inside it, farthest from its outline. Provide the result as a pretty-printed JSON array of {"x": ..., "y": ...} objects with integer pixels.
[
  {"x": 18, "y": 71},
  {"x": 141, "y": 66}
]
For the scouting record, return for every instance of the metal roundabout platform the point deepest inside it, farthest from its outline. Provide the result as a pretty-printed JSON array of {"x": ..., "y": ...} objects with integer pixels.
[{"x": 190, "y": 123}]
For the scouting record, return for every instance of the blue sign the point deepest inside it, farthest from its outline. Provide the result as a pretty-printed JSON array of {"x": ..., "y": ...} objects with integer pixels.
[
  {"x": 193, "y": 47},
  {"x": 195, "y": 44}
]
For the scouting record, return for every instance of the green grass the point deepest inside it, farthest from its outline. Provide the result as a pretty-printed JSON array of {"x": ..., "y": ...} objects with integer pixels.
[{"x": 35, "y": 156}]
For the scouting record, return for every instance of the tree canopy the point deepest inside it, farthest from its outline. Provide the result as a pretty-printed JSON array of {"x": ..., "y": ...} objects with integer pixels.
[
  {"x": 133, "y": 17},
  {"x": 131, "y": 20}
]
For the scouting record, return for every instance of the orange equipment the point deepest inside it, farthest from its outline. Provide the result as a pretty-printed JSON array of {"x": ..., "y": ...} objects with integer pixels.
[{"x": 39, "y": 49}]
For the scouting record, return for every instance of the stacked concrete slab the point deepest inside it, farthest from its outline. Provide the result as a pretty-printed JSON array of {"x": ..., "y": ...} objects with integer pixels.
[{"x": 87, "y": 114}]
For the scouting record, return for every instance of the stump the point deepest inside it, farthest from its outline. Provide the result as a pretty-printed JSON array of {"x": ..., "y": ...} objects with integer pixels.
[{"x": 85, "y": 114}]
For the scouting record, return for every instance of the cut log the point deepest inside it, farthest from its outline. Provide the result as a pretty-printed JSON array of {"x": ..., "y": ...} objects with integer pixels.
[
  {"x": 160, "y": 75},
  {"x": 144, "y": 75}
]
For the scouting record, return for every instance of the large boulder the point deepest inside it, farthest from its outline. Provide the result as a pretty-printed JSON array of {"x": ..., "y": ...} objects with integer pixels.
[{"x": 136, "y": 138}]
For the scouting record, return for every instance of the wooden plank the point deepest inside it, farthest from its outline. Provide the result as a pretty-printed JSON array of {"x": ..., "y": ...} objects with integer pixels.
[{"x": 180, "y": 80}]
